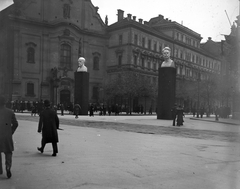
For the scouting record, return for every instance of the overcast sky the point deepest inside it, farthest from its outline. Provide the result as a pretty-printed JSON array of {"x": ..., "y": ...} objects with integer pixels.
[{"x": 209, "y": 18}]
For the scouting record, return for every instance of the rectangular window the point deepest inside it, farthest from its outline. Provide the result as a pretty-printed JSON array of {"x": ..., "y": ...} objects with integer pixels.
[
  {"x": 136, "y": 39},
  {"x": 95, "y": 94},
  {"x": 193, "y": 58},
  {"x": 181, "y": 54},
  {"x": 150, "y": 44},
  {"x": 184, "y": 38},
  {"x": 119, "y": 60},
  {"x": 65, "y": 60},
  {"x": 120, "y": 39},
  {"x": 160, "y": 47},
  {"x": 187, "y": 72},
  {"x": 143, "y": 42},
  {"x": 135, "y": 59},
  {"x": 154, "y": 66},
  {"x": 178, "y": 70},
  {"x": 176, "y": 53},
  {"x": 149, "y": 65},
  {"x": 155, "y": 46},
  {"x": 143, "y": 62},
  {"x": 96, "y": 63}
]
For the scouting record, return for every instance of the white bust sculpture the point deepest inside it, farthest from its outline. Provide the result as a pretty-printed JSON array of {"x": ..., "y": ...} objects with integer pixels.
[
  {"x": 81, "y": 66},
  {"x": 167, "y": 61}
]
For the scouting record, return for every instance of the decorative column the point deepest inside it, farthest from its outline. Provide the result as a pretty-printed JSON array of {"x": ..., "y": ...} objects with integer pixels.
[
  {"x": 166, "y": 92},
  {"x": 81, "y": 91}
]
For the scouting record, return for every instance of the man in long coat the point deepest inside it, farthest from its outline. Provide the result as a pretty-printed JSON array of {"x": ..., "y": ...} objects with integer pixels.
[
  {"x": 8, "y": 125},
  {"x": 48, "y": 125}
]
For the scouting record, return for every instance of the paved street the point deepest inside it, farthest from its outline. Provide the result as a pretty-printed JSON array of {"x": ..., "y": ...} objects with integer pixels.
[{"x": 126, "y": 152}]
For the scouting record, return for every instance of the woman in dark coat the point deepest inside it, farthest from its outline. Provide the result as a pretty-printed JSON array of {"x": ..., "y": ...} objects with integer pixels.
[
  {"x": 48, "y": 125},
  {"x": 180, "y": 115},
  {"x": 8, "y": 125}
]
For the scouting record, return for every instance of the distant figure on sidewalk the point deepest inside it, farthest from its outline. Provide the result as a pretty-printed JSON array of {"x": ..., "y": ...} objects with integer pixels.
[
  {"x": 174, "y": 114},
  {"x": 77, "y": 109},
  {"x": 194, "y": 112},
  {"x": 62, "y": 109},
  {"x": 109, "y": 110},
  {"x": 91, "y": 110},
  {"x": 8, "y": 125},
  {"x": 48, "y": 125},
  {"x": 180, "y": 116},
  {"x": 202, "y": 112}
]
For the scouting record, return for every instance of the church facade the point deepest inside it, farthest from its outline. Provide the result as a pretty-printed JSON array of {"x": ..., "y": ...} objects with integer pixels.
[{"x": 42, "y": 41}]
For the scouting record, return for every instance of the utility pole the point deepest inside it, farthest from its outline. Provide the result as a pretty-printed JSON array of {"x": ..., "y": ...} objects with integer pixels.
[{"x": 236, "y": 102}]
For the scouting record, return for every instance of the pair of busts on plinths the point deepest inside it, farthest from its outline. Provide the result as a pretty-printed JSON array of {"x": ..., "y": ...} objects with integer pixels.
[{"x": 168, "y": 62}]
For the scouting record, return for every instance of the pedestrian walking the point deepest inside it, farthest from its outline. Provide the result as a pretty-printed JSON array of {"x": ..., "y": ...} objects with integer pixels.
[
  {"x": 194, "y": 112},
  {"x": 202, "y": 112},
  {"x": 77, "y": 109},
  {"x": 8, "y": 125},
  {"x": 91, "y": 110},
  {"x": 62, "y": 109},
  {"x": 174, "y": 114},
  {"x": 48, "y": 125},
  {"x": 180, "y": 116}
]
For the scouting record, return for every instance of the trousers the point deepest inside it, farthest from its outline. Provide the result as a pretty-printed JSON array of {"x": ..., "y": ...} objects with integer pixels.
[
  {"x": 54, "y": 146},
  {"x": 8, "y": 160}
]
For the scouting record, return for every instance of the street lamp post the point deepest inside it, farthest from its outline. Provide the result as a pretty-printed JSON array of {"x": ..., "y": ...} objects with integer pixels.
[
  {"x": 198, "y": 100},
  {"x": 54, "y": 81}
]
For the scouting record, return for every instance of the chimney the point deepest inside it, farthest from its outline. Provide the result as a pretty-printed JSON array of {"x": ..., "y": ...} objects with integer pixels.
[
  {"x": 120, "y": 14},
  {"x": 140, "y": 20},
  {"x": 145, "y": 22},
  {"x": 161, "y": 16},
  {"x": 209, "y": 38},
  {"x": 129, "y": 16},
  {"x": 134, "y": 18}
]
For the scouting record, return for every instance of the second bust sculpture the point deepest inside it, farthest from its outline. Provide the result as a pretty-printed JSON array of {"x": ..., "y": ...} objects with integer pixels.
[
  {"x": 167, "y": 61},
  {"x": 81, "y": 65}
]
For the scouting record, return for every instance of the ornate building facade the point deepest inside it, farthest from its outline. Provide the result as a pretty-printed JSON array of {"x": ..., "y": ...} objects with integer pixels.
[{"x": 42, "y": 40}]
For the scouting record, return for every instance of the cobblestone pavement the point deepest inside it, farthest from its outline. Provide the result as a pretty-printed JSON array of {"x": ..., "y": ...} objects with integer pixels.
[{"x": 146, "y": 125}]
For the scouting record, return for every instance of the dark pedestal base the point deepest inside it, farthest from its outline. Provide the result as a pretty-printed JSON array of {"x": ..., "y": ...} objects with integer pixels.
[
  {"x": 81, "y": 91},
  {"x": 166, "y": 92}
]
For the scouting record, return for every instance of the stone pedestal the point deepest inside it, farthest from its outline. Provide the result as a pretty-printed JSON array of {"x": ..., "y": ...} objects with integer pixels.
[
  {"x": 81, "y": 91},
  {"x": 166, "y": 92}
]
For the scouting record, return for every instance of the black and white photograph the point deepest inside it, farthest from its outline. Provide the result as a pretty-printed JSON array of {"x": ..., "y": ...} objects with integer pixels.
[{"x": 130, "y": 94}]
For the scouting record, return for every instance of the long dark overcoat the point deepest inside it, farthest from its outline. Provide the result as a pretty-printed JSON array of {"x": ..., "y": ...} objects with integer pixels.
[
  {"x": 48, "y": 124},
  {"x": 8, "y": 125}
]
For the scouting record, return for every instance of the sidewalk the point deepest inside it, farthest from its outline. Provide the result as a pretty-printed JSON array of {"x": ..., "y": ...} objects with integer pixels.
[
  {"x": 93, "y": 158},
  {"x": 220, "y": 120},
  {"x": 205, "y": 123}
]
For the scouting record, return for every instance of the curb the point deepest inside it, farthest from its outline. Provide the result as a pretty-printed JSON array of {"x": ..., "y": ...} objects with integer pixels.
[{"x": 200, "y": 119}]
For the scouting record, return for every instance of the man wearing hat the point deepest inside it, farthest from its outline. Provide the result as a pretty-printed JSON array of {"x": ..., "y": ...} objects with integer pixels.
[
  {"x": 48, "y": 125},
  {"x": 8, "y": 125}
]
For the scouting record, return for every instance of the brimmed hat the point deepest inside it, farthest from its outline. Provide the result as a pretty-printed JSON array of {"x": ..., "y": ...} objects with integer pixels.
[{"x": 46, "y": 103}]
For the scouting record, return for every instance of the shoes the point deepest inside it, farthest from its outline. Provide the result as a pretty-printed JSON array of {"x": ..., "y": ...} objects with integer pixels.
[
  {"x": 40, "y": 149},
  {"x": 54, "y": 154},
  {"x": 9, "y": 174}
]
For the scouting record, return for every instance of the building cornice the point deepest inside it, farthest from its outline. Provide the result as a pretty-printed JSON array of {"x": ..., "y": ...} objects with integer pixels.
[{"x": 51, "y": 25}]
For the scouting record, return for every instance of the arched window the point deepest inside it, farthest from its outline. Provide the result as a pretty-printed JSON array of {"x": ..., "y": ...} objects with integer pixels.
[
  {"x": 65, "y": 56},
  {"x": 96, "y": 63},
  {"x": 30, "y": 55}
]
